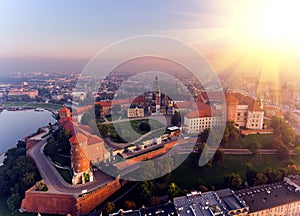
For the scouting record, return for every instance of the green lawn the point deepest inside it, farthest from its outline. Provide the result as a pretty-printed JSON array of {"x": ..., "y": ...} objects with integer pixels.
[
  {"x": 242, "y": 142},
  {"x": 186, "y": 175},
  {"x": 124, "y": 129},
  {"x": 155, "y": 134},
  {"x": 33, "y": 105},
  {"x": 17, "y": 103}
]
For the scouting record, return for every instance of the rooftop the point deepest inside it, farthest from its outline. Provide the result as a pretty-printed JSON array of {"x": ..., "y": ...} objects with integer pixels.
[
  {"x": 167, "y": 209},
  {"x": 206, "y": 204},
  {"x": 210, "y": 203},
  {"x": 268, "y": 196}
]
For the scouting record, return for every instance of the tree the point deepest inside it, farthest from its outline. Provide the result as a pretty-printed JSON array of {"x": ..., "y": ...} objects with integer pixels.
[
  {"x": 254, "y": 147},
  {"x": 129, "y": 204},
  {"x": 173, "y": 190},
  {"x": 284, "y": 130},
  {"x": 273, "y": 175},
  {"x": 283, "y": 152},
  {"x": 13, "y": 202},
  {"x": 219, "y": 155},
  {"x": 109, "y": 207},
  {"x": 98, "y": 110},
  {"x": 63, "y": 141},
  {"x": 288, "y": 136},
  {"x": 103, "y": 130},
  {"x": 260, "y": 179},
  {"x": 144, "y": 126},
  {"x": 250, "y": 174},
  {"x": 176, "y": 119},
  {"x": 233, "y": 181},
  {"x": 297, "y": 140},
  {"x": 275, "y": 143},
  {"x": 145, "y": 190},
  {"x": 278, "y": 124},
  {"x": 231, "y": 133},
  {"x": 293, "y": 169}
]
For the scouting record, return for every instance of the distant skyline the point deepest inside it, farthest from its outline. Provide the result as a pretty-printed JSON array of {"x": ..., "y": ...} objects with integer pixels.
[{"x": 257, "y": 37}]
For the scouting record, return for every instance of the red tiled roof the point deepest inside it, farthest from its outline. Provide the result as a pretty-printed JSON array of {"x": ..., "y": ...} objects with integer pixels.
[
  {"x": 242, "y": 99},
  {"x": 64, "y": 110},
  {"x": 198, "y": 114},
  {"x": 78, "y": 138},
  {"x": 255, "y": 107},
  {"x": 93, "y": 139},
  {"x": 138, "y": 99}
]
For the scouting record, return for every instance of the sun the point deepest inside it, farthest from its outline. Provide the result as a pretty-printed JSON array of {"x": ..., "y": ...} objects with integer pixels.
[{"x": 272, "y": 24}]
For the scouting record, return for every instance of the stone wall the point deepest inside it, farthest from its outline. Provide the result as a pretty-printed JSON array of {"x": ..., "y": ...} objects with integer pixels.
[
  {"x": 57, "y": 203},
  {"x": 90, "y": 201},
  {"x": 50, "y": 203}
]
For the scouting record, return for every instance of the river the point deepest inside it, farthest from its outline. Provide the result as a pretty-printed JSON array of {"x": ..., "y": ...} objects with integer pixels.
[{"x": 15, "y": 125}]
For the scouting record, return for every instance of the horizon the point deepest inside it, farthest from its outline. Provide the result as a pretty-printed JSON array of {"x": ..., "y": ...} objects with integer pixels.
[{"x": 241, "y": 37}]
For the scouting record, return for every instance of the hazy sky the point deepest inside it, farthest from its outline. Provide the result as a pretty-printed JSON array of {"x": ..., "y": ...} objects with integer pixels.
[{"x": 47, "y": 35}]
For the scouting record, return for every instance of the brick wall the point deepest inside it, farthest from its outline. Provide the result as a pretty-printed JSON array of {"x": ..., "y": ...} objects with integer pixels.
[
  {"x": 90, "y": 201},
  {"x": 50, "y": 203},
  {"x": 155, "y": 153}
]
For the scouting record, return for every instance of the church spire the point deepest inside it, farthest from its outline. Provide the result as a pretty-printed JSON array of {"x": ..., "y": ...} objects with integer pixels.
[
  {"x": 157, "y": 95},
  {"x": 156, "y": 84}
]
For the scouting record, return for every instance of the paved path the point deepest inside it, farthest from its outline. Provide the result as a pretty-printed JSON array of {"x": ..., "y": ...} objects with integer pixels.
[
  {"x": 54, "y": 180},
  {"x": 147, "y": 134}
]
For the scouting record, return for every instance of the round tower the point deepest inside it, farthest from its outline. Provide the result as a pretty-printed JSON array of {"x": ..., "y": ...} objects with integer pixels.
[{"x": 79, "y": 161}]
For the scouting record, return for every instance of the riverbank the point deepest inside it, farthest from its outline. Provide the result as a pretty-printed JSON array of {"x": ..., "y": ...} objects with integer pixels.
[{"x": 30, "y": 105}]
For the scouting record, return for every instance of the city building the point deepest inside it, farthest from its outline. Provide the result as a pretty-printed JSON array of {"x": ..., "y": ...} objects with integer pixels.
[
  {"x": 280, "y": 199},
  {"x": 223, "y": 202},
  {"x": 167, "y": 209},
  {"x": 199, "y": 120},
  {"x": 244, "y": 111},
  {"x": 134, "y": 112}
]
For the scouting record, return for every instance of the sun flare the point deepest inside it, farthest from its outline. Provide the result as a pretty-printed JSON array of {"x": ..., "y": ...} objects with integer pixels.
[{"x": 272, "y": 24}]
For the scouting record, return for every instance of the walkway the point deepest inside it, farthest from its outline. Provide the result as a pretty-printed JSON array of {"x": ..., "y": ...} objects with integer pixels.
[{"x": 54, "y": 180}]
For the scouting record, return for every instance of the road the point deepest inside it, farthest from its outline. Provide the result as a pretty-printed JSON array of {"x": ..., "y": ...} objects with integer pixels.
[{"x": 53, "y": 179}]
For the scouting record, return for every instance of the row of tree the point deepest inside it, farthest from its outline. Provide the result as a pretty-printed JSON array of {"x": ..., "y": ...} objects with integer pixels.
[
  {"x": 254, "y": 178},
  {"x": 16, "y": 176}
]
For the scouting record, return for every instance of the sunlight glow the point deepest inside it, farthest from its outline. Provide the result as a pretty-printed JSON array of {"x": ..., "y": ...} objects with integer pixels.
[{"x": 271, "y": 24}]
